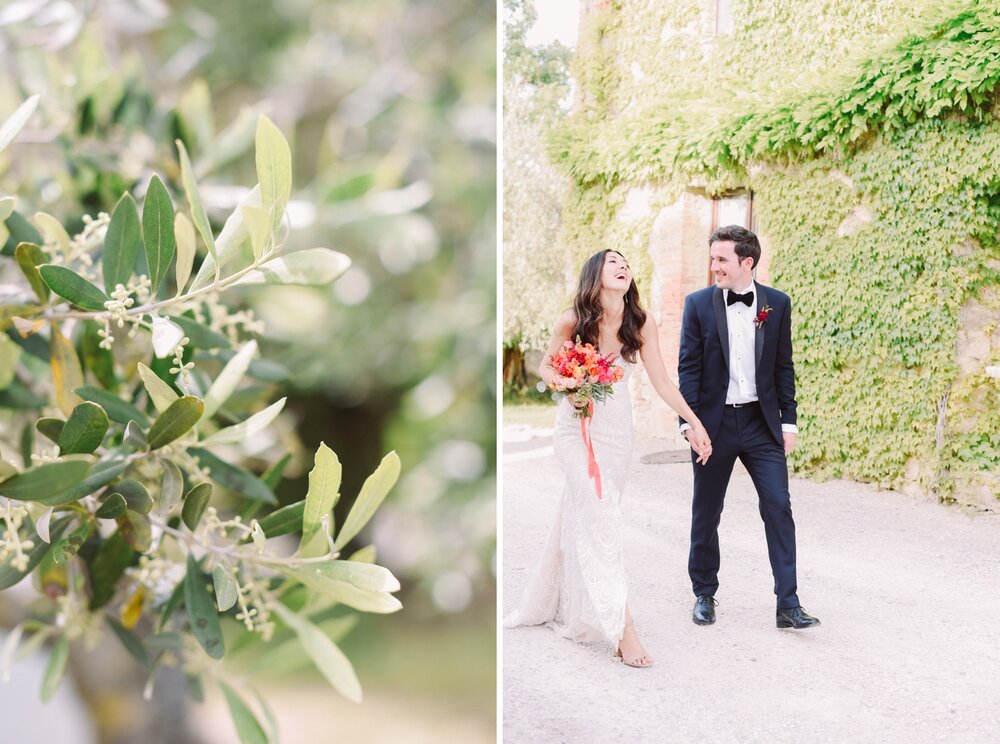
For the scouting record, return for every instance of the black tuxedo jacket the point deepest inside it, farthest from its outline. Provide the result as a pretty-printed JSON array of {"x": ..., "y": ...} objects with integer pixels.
[{"x": 703, "y": 366}]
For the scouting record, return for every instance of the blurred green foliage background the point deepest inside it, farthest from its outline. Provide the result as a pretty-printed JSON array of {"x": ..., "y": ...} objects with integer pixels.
[{"x": 390, "y": 111}]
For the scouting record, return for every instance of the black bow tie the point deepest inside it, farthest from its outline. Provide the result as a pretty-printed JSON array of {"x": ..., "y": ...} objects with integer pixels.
[{"x": 734, "y": 297}]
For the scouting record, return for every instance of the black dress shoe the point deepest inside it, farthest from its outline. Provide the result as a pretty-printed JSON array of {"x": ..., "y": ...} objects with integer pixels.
[
  {"x": 704, "y": 610},
  {"x": 796, "y": 618}
]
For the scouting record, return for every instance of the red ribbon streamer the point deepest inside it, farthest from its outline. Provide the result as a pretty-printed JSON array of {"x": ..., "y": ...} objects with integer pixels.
[{"x": 592, "y": 469}]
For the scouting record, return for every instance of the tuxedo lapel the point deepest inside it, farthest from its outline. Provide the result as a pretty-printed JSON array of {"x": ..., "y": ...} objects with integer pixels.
[
  {"x": 759, "y": 334},
  {"x": 721, "y": 324}
]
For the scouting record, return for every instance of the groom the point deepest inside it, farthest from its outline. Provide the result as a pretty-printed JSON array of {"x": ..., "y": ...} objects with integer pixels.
[{"x": 735, "y": 371}]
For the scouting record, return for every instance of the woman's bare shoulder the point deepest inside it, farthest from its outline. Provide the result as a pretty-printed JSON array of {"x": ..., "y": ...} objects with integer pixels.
[
  {"x": 649, "y": 325},
  {"x": 566, "y": 322}
]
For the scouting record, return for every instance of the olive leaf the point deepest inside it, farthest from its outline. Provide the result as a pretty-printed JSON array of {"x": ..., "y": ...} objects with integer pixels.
[{"x": 158, "y": 230}]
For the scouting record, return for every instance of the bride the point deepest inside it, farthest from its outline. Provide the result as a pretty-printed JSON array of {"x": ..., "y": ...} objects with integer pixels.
[{"x": 579, "y": 587}]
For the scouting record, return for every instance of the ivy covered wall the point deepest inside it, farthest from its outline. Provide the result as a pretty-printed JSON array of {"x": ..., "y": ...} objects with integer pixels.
[{"x": 869, "y": 135}]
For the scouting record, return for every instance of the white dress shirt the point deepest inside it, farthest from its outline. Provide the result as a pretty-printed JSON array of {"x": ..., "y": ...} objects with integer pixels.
[{"x": 742, "y": 353}]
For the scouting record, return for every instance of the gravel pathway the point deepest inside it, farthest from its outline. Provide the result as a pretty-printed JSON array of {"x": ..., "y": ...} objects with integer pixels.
[{"x": 908, "y": 593}]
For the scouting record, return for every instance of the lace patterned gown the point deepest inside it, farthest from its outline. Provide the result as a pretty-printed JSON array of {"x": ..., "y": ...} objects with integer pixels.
[{"x": 578, "y": 586}]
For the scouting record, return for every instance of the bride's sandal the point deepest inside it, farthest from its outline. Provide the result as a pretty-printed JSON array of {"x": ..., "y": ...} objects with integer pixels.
[{"x": 640, "y": 661}]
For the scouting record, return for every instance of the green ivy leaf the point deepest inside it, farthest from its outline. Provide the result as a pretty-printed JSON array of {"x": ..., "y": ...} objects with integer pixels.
[
  {"x": 201, "y": 611},
  {"x": 176, "y": 421},
  {"x": 158, "y": 230},
  {"x": 121, "y": 243},
  {"x": 72, "y": 287},
  {"x": 84, "y": 430},
  {"x": 373, "y": 492}
]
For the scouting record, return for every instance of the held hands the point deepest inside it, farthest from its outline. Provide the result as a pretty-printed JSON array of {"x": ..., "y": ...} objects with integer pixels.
[
  {"x": 698, "y": 439},
  {"x": 789, "y": 438}
]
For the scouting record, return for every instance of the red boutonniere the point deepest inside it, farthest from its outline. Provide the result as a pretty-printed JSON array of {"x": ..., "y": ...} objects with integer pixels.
[{"x": 761, "y": 318}]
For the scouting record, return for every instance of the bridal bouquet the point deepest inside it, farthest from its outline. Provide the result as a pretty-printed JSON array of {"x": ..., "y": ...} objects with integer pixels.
[{"x": 581, "y": 370}]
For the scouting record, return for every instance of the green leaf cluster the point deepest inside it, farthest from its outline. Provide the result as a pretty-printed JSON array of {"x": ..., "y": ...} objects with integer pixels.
[{"x": 144, "y": 464}]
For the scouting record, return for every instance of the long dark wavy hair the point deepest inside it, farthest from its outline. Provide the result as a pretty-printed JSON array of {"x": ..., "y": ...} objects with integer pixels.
[{"x": 588, "y": 309}]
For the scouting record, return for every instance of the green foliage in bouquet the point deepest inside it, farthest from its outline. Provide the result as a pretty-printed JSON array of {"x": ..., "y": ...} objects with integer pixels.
[{"x": 125, "y": 390}]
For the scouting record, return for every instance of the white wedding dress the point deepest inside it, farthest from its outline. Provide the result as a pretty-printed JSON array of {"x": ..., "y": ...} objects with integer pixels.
[{"x": 578, "y": 586}]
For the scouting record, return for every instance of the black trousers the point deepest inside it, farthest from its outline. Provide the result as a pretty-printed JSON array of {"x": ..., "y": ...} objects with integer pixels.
[{"x": 744, "y": 435}]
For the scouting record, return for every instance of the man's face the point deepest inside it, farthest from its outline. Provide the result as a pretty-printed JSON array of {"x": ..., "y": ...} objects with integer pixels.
[{"x": 729, "y": 271}]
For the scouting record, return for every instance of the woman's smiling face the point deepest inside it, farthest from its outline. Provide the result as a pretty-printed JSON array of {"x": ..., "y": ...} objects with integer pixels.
[{"x": 616, "y": 273}]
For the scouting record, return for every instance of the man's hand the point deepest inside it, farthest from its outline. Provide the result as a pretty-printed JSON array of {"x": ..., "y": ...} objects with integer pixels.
[
  {"x": 789, "y": 441},
  {"x": 698, "y": 439}
]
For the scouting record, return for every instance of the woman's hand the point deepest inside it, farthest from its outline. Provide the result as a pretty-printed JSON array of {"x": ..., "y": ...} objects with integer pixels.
[
  {"x": 700, "y": 443},
  {"x": 576, "y": 401}
]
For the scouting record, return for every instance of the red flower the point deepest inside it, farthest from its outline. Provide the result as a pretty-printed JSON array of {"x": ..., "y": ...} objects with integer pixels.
[
  {"x": 581, "y": 370},
  {"x": 762, "y": 316}
]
